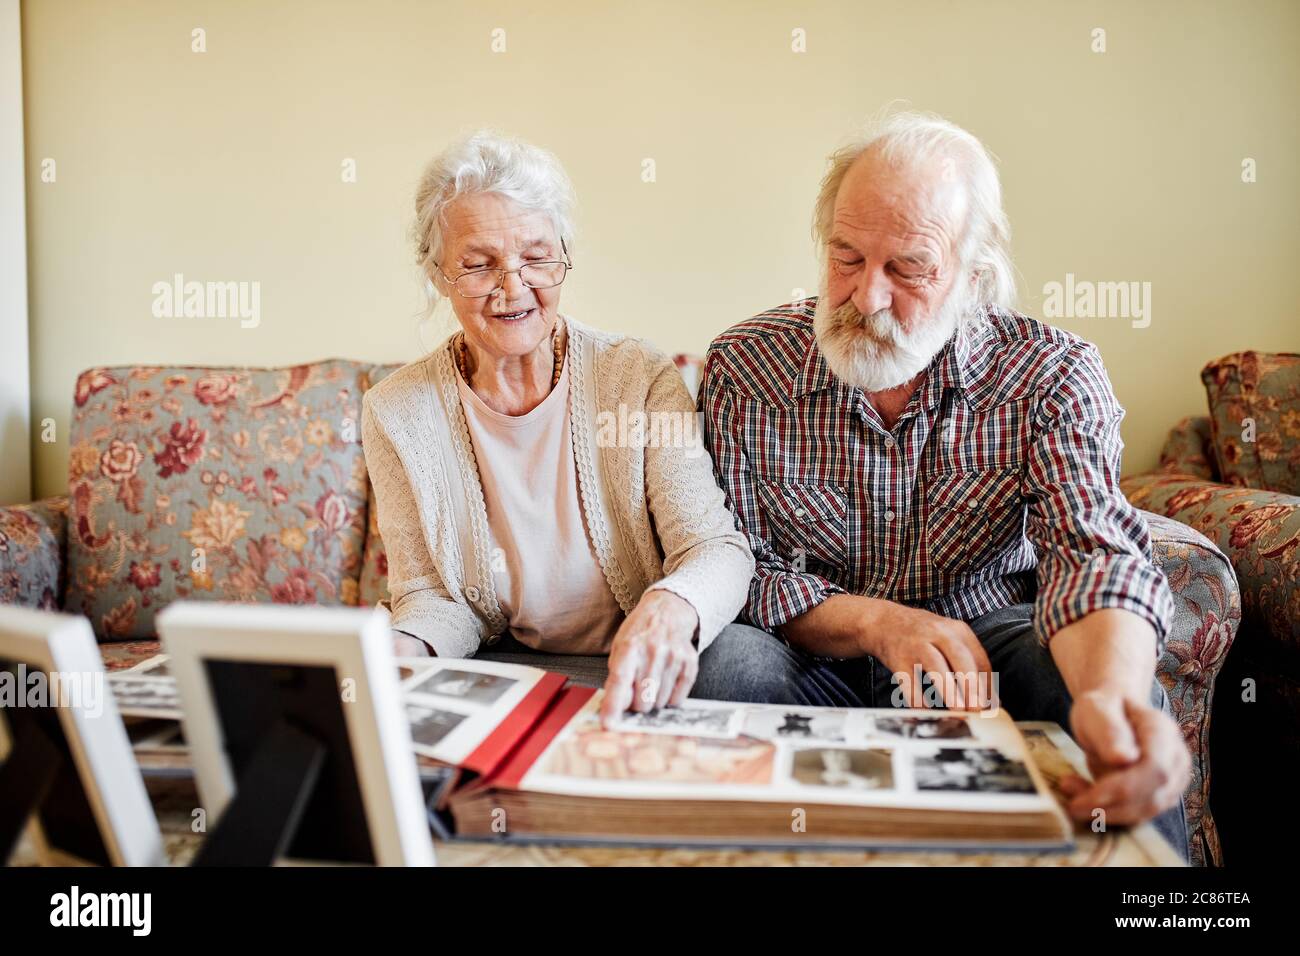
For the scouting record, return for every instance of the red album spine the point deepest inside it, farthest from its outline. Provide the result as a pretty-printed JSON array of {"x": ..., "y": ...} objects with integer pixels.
[
  {"x": 488, "y": 755},
  {"x": 512, "y": 771}
]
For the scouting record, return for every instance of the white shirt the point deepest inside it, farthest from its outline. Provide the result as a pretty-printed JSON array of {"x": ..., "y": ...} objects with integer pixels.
[{"x": 549, "y": 583}]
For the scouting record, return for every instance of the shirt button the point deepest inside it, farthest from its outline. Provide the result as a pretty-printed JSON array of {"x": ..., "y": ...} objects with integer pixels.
[
  {"x": 973, "y": 504},
  {"x": 889, "y": 441},
  {"x": 471, "y": 594},
  {"x": 889, "y": 515},
  {"x": 799, "y": 512}
]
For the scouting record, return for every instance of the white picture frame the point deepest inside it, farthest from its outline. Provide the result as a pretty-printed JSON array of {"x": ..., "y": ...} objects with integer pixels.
[
  {"x": 357, "y": 644},
  {"x": 64, "y": 646}
]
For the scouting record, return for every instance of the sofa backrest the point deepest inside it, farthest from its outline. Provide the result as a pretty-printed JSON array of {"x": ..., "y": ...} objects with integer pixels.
[{"x": 214, "y": 483}]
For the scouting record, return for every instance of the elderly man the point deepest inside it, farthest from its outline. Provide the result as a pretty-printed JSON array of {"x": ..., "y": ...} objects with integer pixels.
[{"x": 929, "y": 483}]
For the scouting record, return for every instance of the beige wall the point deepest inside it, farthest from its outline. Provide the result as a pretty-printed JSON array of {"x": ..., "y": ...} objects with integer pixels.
[
  {"x": 225, "y": 165},
  {"x": 15, "y": 379}
]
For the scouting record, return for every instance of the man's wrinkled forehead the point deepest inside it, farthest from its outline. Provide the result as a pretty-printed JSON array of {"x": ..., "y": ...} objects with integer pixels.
[{"x": 920, "y": 200}]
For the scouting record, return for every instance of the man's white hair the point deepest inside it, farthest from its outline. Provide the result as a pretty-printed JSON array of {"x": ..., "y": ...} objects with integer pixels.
[
  {"x": 488, "y": 162},
  {"x": 910, "y": 138}
]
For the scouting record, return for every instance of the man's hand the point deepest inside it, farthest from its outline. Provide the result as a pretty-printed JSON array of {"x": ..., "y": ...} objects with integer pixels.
[
  {"x": 652, "y": 662},
  {"x": 1137, "y": 756},
  {"x": 904, "y": 638},
  {"x": 901, "y": 638},
  {"x": 1136, "y": 753}
]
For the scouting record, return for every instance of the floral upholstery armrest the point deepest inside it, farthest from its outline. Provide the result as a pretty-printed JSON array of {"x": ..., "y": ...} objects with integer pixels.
[
  {"x": 33, "y": 553},
  {"x": 1189, "y": 450},
  {"x": 1207, "y": 611},
  {"x": 1258, "y": 530}
]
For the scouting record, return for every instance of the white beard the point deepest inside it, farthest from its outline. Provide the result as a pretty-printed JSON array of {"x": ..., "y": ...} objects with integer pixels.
[{"x": 873, "y": 352}]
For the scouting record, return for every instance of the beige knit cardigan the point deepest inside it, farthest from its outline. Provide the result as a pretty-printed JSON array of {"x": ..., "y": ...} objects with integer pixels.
[{"x": 656, "y": 517}]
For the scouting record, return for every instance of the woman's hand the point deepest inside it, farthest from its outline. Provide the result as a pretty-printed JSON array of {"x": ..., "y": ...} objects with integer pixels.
[
  {"x": 653, "y": 661},
  {"x": 404, "y": 645}
]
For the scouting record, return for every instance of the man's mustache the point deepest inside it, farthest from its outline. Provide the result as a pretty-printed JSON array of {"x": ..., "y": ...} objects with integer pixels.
[{"x": 880, "y": 326}]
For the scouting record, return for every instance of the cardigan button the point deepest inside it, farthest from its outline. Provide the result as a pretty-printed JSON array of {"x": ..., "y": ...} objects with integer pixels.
[{"x": 471, "y": 594}]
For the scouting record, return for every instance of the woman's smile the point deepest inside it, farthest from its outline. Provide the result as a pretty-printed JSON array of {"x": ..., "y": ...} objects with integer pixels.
[{"x": 513, "y": 316}]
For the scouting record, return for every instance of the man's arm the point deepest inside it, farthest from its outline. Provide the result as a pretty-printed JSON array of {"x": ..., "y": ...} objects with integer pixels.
[
  {"x": 837, "y": 627},
  {"x": 1110, "y": 650},
  {"x": 1094, "y": 549},
  {"x": 1103, "y": 607},
  {"x": 1139, "y": 761}
]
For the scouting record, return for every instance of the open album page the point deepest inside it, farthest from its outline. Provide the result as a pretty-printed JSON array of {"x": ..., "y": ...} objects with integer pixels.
[
  {"x": 727, "y": 751},
  {"x": 452, "y": 705}
]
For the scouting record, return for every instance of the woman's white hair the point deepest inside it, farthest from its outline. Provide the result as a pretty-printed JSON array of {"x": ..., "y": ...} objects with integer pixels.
[
  {"x": 910, "y": 138},
  {"x": 488, "y": 162}
]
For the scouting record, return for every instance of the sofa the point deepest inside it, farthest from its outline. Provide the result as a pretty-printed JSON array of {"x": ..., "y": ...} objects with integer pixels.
[
  {"x": 249, "y": 484},
  {"x": 1234, "y": 476}
]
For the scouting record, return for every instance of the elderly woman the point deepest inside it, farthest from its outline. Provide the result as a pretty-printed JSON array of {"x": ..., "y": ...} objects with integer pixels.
[{"x": 511, "y": 506}]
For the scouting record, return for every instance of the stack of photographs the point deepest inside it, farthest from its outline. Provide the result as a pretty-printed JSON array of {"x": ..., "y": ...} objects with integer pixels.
[{"x": 146, "y": 690}]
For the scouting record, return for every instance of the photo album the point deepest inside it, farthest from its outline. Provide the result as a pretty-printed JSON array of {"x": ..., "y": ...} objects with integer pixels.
[{"x": 509, "y": 752}]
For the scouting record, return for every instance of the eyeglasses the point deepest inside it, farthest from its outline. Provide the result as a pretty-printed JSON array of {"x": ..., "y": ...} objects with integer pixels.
[{"x": 546, "y": 274}]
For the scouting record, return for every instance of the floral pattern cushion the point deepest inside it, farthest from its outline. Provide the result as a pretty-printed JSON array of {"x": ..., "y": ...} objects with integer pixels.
[
  {"x": 1255, "y": 419},
  {"x": 1258, "y": 530},
  {"x": 1189, "y": 450},
  {"x": 1207, "y": 613},
  {"x": 213, "y": 484},
  {"x": 32, "y": 562},
  {"x": 123, "y": 655}
]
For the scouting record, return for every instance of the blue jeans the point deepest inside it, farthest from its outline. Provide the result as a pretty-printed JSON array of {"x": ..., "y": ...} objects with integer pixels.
[{"x": 748, "y": 664}]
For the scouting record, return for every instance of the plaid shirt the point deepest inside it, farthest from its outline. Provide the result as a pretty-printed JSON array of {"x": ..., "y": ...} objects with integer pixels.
[{"x": 998, "y": 484}]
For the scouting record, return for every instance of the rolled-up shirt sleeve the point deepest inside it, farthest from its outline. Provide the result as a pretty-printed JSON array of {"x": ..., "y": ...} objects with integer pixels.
[
  {"x": 1093, "y": 547},
  {"x": 779, "y": 591}
]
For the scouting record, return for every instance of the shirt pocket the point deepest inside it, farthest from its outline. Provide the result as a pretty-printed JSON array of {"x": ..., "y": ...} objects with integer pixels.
[
  {"x": 808, "y": 523},
  {"x": 972, "y": 517}
]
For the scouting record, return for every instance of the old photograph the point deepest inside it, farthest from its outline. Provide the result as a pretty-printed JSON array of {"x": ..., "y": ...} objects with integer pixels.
[
  {"x": 688, "y": 721},
  {"x": 771, "y": 723},
  {"x": 144, "y": 694},
  {"x": 848, "y": 769},
  {"x": 465, "y": 685},
  {"x": 975, "y": 769},
  {"x": 922, "y": 728},
  {"x": 429, "y": 726}
]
